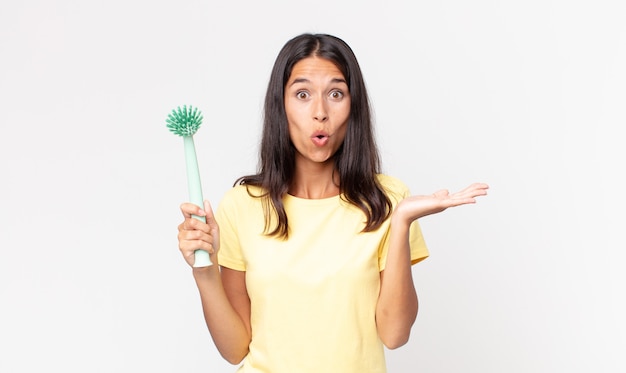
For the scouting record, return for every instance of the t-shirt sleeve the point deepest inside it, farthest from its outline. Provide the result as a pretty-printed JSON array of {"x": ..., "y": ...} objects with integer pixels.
[
  {"x": 419, "y": 251},
  {"x": 230, "y": 254}
]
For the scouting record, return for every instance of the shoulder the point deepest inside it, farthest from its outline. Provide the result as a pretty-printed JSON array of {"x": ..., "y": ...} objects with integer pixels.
[
  {"x": 245, "y": 192},
  {"x": 241, "y": 196},
  {"x": 394, "y": 187}
]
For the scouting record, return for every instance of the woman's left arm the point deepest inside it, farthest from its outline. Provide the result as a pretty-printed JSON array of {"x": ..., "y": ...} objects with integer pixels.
[{"x": 397, "y": 305}]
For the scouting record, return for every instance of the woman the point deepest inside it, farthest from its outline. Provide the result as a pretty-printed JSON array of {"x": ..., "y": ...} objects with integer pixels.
[{"x": 313, "y": 253}]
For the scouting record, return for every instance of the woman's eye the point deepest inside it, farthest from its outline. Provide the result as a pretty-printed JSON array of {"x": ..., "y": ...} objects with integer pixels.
[
  {"x": 336, "y": 94},
  {"x": 302, "y": 95}
]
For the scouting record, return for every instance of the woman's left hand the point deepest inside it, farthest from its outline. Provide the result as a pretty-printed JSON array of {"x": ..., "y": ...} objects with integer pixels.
[{"x": 415, "y": 207}]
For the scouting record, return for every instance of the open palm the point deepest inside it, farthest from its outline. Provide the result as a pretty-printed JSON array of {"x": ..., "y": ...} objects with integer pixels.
[{"x": 415, "y": 207}]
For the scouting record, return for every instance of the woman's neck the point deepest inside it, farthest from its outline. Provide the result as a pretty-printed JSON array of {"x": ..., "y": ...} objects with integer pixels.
[{"x": 315, "y": 181}]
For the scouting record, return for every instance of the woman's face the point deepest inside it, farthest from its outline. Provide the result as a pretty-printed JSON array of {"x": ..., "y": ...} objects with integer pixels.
[{"x": 317, "y": 103}]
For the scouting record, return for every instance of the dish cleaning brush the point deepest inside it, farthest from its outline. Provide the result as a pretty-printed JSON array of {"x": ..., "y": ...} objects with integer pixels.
[{"x": 185, "y": 122}]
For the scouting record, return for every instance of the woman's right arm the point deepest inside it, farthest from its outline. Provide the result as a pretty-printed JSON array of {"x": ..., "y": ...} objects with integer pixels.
[{"x": 223, "y": 293}]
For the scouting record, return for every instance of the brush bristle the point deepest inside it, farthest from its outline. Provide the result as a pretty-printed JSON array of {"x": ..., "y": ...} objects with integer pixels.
[{"x": 185, "y": 121}]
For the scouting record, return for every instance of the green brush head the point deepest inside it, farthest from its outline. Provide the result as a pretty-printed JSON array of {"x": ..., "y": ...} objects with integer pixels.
[{"x": 185, "y": 121}]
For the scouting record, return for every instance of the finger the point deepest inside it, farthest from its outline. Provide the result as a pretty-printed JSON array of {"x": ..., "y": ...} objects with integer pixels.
[
  {"x": 191, "y": 246},
  {"x": 479, "y": 187},
  {"x": 193, "y": 224},
  {"x": 188, "y": 209},
  {"x": 441, "y": 193},
  {"x": 194, "y": 235},
  {"x": 473, "y": 190},
  {"x": 191, "y": 240}
]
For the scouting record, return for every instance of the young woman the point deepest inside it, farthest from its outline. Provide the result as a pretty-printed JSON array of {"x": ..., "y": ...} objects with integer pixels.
[{"x": 312, "y": 255}]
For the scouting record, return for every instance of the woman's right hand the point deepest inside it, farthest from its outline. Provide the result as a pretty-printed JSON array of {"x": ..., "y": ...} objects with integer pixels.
[{"x": 193, "y": 234}]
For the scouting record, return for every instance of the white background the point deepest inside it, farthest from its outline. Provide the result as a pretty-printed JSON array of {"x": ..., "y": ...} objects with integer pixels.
[{"x": 527, "y": 96}]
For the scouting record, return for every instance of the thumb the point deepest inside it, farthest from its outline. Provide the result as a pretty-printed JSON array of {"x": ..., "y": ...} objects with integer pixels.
[
  {"x": 210, "y": 217},
  {"x": 210, "y": 220}
]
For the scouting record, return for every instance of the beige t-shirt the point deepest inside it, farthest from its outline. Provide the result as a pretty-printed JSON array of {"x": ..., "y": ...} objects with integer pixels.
[{"x": 313, "y": 297}]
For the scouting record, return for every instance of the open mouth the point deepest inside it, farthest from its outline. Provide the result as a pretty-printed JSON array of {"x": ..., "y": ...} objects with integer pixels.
[{"x": 320, "y": 139}]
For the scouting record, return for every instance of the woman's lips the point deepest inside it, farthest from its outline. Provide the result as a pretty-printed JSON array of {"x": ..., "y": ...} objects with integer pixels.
[{"x": 320, "y": 138}]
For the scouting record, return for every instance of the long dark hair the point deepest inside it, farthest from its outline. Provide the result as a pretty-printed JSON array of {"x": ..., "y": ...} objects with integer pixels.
[{"x": 357, "y": 161}]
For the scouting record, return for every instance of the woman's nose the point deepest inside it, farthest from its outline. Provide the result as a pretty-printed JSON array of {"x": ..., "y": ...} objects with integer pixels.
[{"x": 320, "y": 113}]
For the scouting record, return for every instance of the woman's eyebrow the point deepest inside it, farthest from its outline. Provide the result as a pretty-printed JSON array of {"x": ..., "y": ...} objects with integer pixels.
[
  {"x": 305, "y": 80},
  {"x": 300, "y": 80}
]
